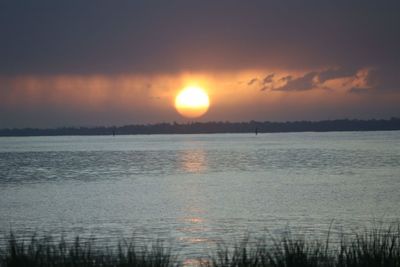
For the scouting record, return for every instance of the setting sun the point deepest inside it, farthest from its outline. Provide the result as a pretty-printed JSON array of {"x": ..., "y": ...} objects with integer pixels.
[{"x": 192, "y": 102}]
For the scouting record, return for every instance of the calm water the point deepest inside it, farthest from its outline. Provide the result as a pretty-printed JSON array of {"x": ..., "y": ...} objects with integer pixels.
[{"x": 197, "y": 190}]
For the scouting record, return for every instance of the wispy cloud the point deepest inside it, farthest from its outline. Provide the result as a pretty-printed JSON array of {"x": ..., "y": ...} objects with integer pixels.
[
  {"x": 305, "y": 82},
  {"x": 269, "y": 78},
  {"x": 351, "y": 79},
  {"x": 252, "y": 81}
]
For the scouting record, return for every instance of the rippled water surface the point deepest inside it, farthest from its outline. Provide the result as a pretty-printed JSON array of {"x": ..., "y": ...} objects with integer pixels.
[{"x": 198, "y": 190}]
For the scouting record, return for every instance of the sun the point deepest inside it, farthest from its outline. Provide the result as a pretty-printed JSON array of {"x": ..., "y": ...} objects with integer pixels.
[{"x": 192, "y": 102}]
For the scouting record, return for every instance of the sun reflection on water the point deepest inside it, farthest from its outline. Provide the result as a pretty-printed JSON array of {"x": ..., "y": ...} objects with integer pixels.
[
  {"x": 194, "y": 226},
  {"x": 195, "y": 220},
  {"x": 193, "y": 161}
]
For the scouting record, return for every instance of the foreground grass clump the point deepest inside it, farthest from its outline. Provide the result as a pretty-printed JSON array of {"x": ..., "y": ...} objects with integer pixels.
[
  {"x": 81, "y": 253},
  {"x": 378, "y": 247}
]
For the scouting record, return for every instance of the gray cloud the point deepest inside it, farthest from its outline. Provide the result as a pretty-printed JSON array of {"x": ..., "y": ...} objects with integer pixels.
[
  {"x": 252, "y": 81},
  {"x": 305, "y": 82},
  {"x": 335, "y": 73},
  {"x": 363, "y": 80},
  {"x": 384, "y": 79},
  {"x": 269, "y": 78},
  {"x": 79, "y": 37},
  {"x": 286, "y": 78}
]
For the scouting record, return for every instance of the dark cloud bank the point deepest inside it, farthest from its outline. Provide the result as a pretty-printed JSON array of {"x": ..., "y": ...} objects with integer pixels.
[{"x": 42, "y": 37}]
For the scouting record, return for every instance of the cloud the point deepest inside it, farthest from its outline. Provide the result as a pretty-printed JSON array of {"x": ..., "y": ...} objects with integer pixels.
[
  {"x": 286, "y": 78},
  {"x": 73, "y": 37},
  {"x": 335, "y": 73},
  {"x": 252, "y": 81},
  {"x": 376, "y": 80},
  {"x": 269, "y": 78},
  {"x": 305, "y": 82},
  {"x": 351, "y": 79},
  {"x": 384, "y": 79},
  {"x": 266, "y": 83}
]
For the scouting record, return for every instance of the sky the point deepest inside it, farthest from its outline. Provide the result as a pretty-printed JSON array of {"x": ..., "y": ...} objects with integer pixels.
[{"x": 90, "y": 63}]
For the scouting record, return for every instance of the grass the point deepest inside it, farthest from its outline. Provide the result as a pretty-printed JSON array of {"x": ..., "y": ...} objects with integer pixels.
[
  {"x": 379, "y": 247},
  {"x": 371, "y": 248},
  {"x": 44, "y": 252}
]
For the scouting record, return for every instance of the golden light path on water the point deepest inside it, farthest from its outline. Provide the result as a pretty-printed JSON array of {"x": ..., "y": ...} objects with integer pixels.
[{"x": 194, "y": 223}]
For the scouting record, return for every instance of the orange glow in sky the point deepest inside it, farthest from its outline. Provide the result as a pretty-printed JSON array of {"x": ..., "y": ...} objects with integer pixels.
[{"x": 235, "y": 96}]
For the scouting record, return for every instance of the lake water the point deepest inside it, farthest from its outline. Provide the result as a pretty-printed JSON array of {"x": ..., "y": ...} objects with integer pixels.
[{"x": 195, "y": 191}]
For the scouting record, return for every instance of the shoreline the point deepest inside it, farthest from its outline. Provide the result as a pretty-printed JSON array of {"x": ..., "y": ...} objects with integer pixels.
[{"x": 254, "y": 127}]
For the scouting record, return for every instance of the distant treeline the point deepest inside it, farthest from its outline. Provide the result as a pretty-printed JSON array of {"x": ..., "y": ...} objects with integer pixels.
[{"x": 216, "y": 127}]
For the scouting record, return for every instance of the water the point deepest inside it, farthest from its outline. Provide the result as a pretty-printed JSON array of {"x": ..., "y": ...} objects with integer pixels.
[{"x": 195, "y": 191}]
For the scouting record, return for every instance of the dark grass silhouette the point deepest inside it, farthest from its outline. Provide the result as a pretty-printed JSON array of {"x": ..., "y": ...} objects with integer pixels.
[
  {"x": 379, "y": 247},
  {"x": 44, "y": 252}
]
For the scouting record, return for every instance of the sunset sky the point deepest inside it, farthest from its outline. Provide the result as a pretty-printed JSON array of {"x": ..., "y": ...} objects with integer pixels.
[{"x": 73, "y": 63}]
